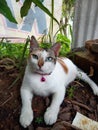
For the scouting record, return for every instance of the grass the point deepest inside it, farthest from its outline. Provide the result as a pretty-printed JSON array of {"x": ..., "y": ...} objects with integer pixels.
[
  {"x": 17, "y": 52},
  {"x": 39, "y": 120},
  {"x": 70, "y": 92}
]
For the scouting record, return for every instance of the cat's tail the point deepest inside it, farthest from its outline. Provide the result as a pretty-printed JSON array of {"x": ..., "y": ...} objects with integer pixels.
[{"x": 83, "y": 76}]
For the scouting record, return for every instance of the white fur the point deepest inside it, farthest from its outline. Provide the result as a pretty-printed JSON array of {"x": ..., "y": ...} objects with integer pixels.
[{"x": 55, "y": 84}]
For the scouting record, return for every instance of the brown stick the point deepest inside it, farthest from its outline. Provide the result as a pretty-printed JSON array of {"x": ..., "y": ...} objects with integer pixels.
[
  {"x": 7, "y": 100},
  {"x": 79, "y": 83},
  {"x": 80, "y": 104}
]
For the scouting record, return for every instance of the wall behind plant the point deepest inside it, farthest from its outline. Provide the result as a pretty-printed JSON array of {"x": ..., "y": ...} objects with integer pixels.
[
  {"x": 85, "y": 22},
  {"x": 35, "y": 23}
]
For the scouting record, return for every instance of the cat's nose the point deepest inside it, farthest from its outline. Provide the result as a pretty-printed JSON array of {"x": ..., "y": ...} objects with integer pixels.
[{"x": 40, "y": 63}]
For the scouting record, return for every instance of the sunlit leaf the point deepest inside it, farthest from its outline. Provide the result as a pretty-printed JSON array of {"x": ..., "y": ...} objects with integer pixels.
[{"x": 5, "y": 10}]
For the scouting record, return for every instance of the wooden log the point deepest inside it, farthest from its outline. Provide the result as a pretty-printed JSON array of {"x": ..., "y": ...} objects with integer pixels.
[
  {"x": 92, "y": 45},
  {"x": 85, "y": 61}
]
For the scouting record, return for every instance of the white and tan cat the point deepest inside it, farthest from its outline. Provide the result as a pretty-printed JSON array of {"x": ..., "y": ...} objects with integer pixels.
[{"x": 47, "y": 74}]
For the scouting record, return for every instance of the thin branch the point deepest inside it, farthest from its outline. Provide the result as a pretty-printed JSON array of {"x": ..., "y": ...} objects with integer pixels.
[{"x": 79, "y": 104}]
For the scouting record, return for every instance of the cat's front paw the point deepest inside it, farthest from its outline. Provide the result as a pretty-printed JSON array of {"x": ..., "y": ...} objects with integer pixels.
[
  {"x": 26, "y": 118},
  {"x": 50, "y": 116}
]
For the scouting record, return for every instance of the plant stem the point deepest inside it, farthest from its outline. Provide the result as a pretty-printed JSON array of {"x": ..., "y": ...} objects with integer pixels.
[
  {"x": 22, "y": 58},
  {"x": 52, "y": 3},
  {"x": 25, "y": 47},
  {"x": 51, "y": 22}
]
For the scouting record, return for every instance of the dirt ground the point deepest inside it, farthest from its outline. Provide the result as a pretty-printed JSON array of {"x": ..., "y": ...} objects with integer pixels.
[{"x": 79, "y": 97}]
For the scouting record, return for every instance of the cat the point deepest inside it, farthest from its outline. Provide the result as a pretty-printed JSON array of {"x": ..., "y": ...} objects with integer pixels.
[{"x": 47, "y": 74}]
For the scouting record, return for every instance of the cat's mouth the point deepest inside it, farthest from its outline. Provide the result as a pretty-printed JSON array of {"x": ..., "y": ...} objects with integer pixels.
[{"x": 41, "y": 72}]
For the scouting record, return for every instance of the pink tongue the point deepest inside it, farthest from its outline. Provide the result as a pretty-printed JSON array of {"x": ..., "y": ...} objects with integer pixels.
[{"x": 43, "y": 79}]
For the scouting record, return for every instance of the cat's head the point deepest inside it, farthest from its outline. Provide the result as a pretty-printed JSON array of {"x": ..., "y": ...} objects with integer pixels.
[{"x": 41, "y": 60}]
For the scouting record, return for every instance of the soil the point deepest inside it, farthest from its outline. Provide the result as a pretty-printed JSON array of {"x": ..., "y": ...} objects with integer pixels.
[{"x": 79, "y": 97}]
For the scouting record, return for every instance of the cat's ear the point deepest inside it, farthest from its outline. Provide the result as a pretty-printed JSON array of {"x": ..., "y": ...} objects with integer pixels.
[
  {"x": 56, "y": 48},
  {"x": 33, "y": 43}
]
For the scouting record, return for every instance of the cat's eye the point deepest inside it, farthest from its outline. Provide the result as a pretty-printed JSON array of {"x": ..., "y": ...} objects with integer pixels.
[
  {"x": 34, "y": 56},
  {"x": 49, "y": 59}
]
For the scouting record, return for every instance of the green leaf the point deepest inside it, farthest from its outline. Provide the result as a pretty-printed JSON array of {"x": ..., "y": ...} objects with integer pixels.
[
  {"x": 41, "y": 1},
  {"x": 25, "y": 8},
  {"x": 17, "y": 0},
  {"x": 41, "y": 6},
  {"x": 27, "y": 4},
  {"x": 5, "y": 10}
]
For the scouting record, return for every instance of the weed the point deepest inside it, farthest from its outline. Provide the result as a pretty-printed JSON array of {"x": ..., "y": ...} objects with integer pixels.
[
  {"x": 70, "y": 92},
  {"x": 65, "y": 44},
  {"x": 12, "y": 50},
  {"x": 45, "y": 45},
  {"x": 39, "y": 120}
]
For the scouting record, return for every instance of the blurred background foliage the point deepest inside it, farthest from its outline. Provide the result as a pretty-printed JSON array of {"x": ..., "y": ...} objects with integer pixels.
[{"x": 63, "y": 35}]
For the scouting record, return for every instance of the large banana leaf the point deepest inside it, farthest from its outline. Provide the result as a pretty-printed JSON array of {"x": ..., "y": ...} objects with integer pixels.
[
  {"x": 25, "y": 8},
  {"x": 27, "y": 4},
  {"x": 5, "y": 10}
]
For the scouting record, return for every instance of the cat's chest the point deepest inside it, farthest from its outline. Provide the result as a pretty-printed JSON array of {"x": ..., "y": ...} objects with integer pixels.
[
  {"x": 40, "y": 80},
  {"x": 41, "y": 85}
]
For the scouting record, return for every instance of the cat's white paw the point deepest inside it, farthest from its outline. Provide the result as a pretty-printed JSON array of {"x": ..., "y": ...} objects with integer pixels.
[
  {"x": 26, "y": 118},
  {"x": 50, "y": 116}
]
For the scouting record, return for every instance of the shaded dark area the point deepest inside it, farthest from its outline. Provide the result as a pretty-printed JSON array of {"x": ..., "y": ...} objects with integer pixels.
[{"x": 79, "y": 97}]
